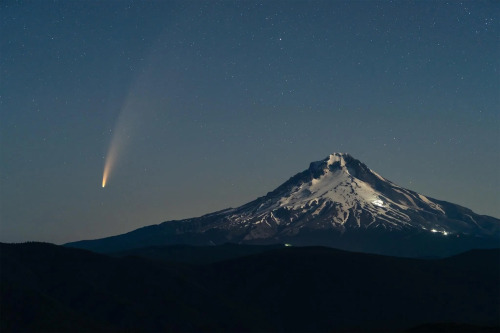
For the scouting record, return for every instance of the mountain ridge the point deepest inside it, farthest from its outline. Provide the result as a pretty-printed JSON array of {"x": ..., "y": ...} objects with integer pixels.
[{"x": 338, "y": 199}]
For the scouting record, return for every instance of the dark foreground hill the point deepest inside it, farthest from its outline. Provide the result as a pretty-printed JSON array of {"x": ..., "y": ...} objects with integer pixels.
[
  {"x": 313, "y": 289},
  {"x": 197, "y": 254}
]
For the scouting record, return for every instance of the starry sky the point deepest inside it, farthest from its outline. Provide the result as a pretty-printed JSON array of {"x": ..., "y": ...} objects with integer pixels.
[{"x": 214, "y": 103}]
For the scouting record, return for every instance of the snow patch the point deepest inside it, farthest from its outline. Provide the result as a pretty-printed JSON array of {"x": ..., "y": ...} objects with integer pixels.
[
  {"x": 431, "y": 204},
  {"x": 336, "y": 157}
]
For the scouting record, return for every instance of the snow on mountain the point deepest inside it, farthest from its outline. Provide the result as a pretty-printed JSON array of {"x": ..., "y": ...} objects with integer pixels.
[{"x": 342, "y": 193}]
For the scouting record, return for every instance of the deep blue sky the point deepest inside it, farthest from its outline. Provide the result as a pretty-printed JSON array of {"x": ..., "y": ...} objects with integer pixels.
[{"x": 222, "y": 101}]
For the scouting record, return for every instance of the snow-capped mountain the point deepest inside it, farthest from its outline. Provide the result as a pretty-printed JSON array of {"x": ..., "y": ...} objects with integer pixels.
[
  {"x": 342, "y": 193},
  {"x": 337, "y": 201}
]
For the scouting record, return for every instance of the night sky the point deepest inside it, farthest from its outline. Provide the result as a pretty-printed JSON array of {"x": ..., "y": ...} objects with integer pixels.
[{"x": 212, "y": 104}]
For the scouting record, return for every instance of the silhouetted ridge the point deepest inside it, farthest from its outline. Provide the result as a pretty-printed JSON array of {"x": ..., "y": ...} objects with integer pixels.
[{"x": 313, "y": 289}]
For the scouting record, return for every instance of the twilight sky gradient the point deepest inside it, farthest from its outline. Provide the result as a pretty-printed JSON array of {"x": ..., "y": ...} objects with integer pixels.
[{"x": 216, "y": 103}]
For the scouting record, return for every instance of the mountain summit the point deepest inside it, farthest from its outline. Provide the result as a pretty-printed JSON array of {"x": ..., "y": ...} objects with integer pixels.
[
  {"x": 337, "y": 202},
  {"x": 342, "y": 193}
]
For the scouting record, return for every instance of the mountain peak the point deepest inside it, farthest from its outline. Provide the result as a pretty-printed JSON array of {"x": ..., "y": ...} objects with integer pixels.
[
  {"x": 341, "y": 193},
  {"x": 338, "y": 157},
  {"x": 345, "y": 163},
  {"x": 335, "y": 158}
]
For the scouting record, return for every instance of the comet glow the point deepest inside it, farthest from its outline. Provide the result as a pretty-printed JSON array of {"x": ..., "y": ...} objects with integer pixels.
[
  {"x": 120, "y": 137},
  {"x": 114, "y": 148},
  {"x": 109, "y": 163},
  {"x": 135, "y": 108}
]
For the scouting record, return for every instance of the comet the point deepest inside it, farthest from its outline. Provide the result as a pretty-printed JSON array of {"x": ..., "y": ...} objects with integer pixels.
[
  {"x": 120, "y": 138},
  {"x": 110, "y": 159},
  {"x": 131, "y": 114},
  {"x": 105, "y": 173}
]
